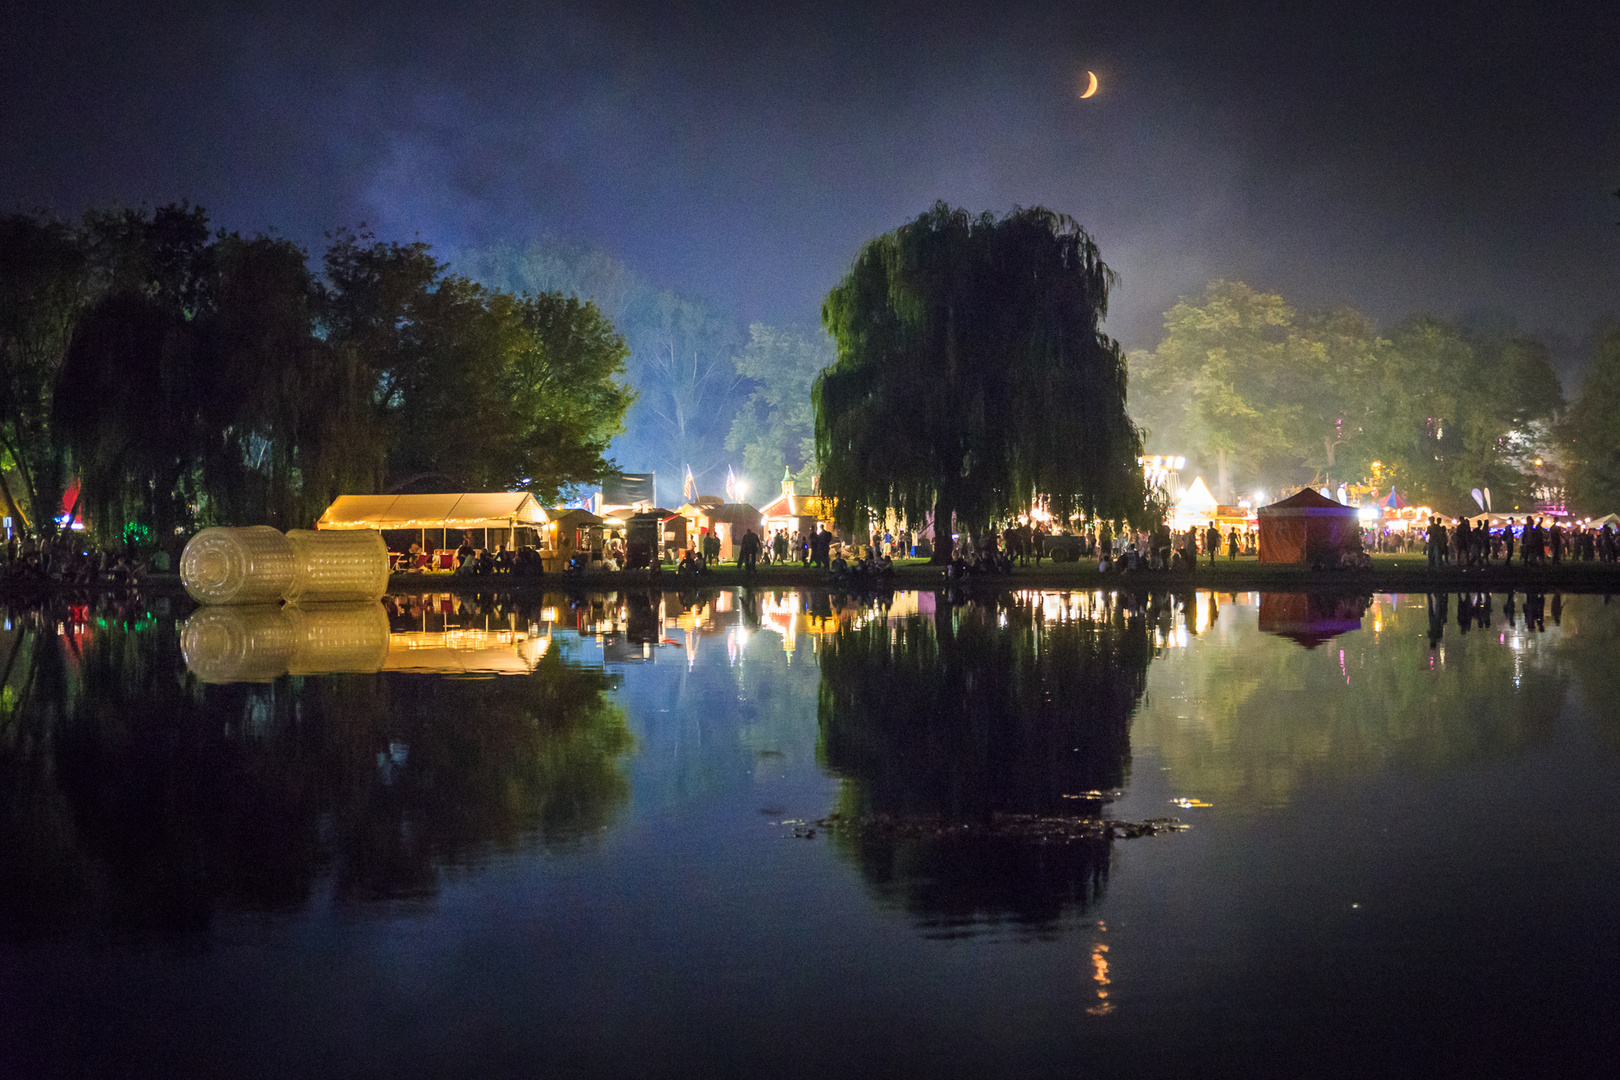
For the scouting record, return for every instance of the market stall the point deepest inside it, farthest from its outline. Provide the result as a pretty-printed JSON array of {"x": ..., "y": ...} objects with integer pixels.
[
  {"x": 570, "y": 532},
  {"x": 1308, "y": 529},
  {"x": 487, "y": 519}
]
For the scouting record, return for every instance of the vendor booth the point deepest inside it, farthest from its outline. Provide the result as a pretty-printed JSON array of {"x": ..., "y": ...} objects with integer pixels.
[
  {"x": 665, "y": 529},
  {"x": 1198, "y": 509},
  {"x": 489, "y": 520},
  {"x": 792, "y": 513},
  {"x": 572, "y": 531},
  {"x": 728, "y": 522},
  {"x": 1308, "y": 529}
]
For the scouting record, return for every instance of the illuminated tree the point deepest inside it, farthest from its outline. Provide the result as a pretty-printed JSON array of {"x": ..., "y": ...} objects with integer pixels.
[
  {"x": 973, "y": 377},
  {"x": 42, "y": 292}
]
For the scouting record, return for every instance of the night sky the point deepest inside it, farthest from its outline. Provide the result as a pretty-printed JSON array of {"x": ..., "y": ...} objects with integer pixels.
[{"x": 1396, "y": 157}]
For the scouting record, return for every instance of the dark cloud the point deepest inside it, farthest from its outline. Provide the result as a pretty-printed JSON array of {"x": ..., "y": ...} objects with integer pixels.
[{"x": 1392, "y": 156}]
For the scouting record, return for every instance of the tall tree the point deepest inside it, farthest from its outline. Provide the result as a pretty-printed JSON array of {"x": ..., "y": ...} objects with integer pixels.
[
  {"x": 43, "y": 289},
  {"x": 475, "y": 388},
  {"x": 1589, "y": 437},
  {"x": 566, "y": 385},
  {"x": 973, "y": 378},
  {"x": 680, "y": 363},
  {"x": 775, "y": 431},
  {"x": 1261, "y": 394}
]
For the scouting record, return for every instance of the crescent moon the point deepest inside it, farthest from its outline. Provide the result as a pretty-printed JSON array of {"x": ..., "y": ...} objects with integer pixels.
[{"x": 1092, "y": 89}]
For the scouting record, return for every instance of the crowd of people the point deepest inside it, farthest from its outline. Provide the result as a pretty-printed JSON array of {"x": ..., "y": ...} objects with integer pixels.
[
  {"x": 67, "y": 560},
  {"x": 1465, "y": 544},
  {"x": 523, "y": 560}
]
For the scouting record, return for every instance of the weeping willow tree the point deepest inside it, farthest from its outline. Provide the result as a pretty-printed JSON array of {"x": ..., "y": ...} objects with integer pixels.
[{"x": 973, "y": 377}]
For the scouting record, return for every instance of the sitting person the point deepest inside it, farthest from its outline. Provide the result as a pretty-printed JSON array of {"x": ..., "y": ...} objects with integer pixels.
[
  {"x": 691, "y": 562},
  {"x": 526, "y": 563}
]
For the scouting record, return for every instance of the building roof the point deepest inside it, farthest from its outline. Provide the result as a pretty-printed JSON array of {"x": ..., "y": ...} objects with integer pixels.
[{"x": 464, "y": 510}]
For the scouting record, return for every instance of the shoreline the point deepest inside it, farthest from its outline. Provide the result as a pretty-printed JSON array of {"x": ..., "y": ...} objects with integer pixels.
[{"x": 1388, "y": 574}]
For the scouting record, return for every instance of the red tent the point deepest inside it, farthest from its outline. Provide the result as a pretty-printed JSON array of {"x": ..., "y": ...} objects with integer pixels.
[{"x": 1307, "y": 529}]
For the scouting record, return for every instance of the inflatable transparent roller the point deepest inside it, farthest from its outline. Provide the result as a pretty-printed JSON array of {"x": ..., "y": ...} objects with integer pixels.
[
  {"x": 337, "y": 565},
  {"x": 252, "y": 565}
]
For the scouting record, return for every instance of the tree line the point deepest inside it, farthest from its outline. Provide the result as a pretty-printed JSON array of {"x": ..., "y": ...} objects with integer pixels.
[
  {"x": 710, "y": 392},
  {"x": 1259, "y": 394},
  {"x": 180, "y": 376}
]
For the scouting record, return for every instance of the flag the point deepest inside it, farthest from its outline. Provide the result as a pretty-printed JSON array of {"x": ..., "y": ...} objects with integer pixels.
[
  {"x": 731, "y": 485},
  {"x": 689, "y": 485}
]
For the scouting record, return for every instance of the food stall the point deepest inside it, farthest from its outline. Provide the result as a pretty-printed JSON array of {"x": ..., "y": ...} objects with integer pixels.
[
  {"x": 570, "y": 532},
  {"x": 488, "y": 519},
  {"x": 727, "y": 521}
]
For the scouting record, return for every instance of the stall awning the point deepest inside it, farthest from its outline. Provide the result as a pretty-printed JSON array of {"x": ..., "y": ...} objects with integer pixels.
[
  {"x": 466, "y": 510},
  {"x": 576, "y": 518}
]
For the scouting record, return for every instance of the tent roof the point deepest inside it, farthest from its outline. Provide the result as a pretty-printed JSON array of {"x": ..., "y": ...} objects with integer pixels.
[
  {"x": 575, "y": 516},
  {"x": 723, "y": 512},
  {"x": 1196, "y": 499},
  {"x": 625, "y": 513},
  {"x": 1308, "y": 503},
  {"x": 464, "y": 510}
]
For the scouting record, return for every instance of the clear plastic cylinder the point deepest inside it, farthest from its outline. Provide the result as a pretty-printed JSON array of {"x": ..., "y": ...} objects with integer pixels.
[
  {"x": 335, "y": 565},
  {"x": 238, "y": 643},
  {"x": 338, "y": 638},
  {"x": 251, "y": 565}
]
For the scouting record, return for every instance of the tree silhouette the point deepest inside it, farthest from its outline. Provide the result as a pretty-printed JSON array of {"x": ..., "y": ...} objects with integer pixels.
[{"x": 973, "y": 377}]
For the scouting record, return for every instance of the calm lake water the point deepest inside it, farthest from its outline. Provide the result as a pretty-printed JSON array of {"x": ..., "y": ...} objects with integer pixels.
[{"x": 597, "y": 837}]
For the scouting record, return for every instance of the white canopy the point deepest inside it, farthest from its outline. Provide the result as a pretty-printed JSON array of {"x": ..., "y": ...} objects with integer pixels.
[
  {"x": 467, "y": 510},
  {"x": 1197, "y": 501}
]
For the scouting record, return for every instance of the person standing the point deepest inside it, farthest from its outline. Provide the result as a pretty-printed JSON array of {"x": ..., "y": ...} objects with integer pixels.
[
  {"x": 1232, "y": 545},
  {"x": 1212, "y": 542}
]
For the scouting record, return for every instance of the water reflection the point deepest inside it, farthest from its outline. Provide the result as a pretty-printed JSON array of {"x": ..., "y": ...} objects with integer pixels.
[
  {"x": 982, "y": 711},
  {"x": 1247, "y": 721},
  {"x": 1311, "y": 618},
  {"x": 139, "y": 803}
]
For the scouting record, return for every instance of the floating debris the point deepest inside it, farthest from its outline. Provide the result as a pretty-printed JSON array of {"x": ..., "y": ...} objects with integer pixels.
[{"x": 1024, "y": 828}]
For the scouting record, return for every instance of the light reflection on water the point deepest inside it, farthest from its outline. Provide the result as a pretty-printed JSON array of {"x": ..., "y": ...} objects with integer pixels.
[{"x": 1381, "y": 791}]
